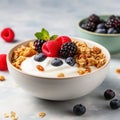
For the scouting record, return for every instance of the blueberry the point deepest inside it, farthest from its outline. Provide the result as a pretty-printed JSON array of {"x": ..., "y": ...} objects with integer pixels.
[
  {"x": 115, "y": 104},
  {"x": 112, "y": 31},
  {"x": 39, "y": 57},
  {"x": 79, "y": 109},
  {"x": 100, "y": 30},
  {"x": 101, "y": 26},
  {"x": 109, "y": 94},
  {"x": 56, "y": 62},
  {"x": 70, "y": 61}
]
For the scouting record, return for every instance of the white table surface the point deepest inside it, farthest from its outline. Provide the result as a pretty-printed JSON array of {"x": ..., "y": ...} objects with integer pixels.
[{"x": 61, "y": 17}]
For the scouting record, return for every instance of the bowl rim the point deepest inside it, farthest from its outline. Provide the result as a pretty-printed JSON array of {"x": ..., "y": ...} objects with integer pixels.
[
  {"x": 61, "y": 78},
  {"x": 93, "y": 33}
]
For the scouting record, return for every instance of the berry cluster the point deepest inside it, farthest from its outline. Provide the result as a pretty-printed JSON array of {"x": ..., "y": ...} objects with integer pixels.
[
  {"x": 95, "y": 24},
  {"x": 59, "y": 47}
]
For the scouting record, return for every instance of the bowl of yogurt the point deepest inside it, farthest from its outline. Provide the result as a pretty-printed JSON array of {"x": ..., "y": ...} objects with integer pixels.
[{"x": 59, "y": 75}]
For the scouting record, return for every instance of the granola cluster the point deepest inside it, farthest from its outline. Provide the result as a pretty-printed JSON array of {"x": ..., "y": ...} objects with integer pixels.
[
  {"x": 20, "y": 54},
  {"x": 88, "y": 56}
]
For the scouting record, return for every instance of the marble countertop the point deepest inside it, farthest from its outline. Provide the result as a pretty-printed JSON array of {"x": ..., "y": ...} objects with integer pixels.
[{"x": 59, "y": 17}]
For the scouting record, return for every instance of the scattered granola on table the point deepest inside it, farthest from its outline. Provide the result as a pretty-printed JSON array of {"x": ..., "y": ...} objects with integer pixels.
[
  {"x": 118, "y": 71},
  {"x": 12, "y": 115},
  {"x": 42, "y": 114},
  {"x": 2, "y": 78}
]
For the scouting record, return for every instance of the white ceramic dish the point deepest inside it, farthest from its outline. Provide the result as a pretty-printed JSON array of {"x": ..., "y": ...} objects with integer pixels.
[{"x": 60, "y": 88}]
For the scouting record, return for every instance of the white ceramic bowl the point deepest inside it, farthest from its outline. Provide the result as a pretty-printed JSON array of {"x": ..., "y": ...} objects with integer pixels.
[{"x": 60, "y": 88}]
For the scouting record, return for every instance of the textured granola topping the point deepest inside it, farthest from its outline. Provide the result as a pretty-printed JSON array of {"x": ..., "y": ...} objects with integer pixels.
[
  {"x": 85, "y": 57},
  {"x": 88, "y": 56},
  {"x": 20, "y": 54}
]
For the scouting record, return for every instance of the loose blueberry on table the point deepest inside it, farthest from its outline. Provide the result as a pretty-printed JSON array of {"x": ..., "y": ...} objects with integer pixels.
[
  {"x": 79, "y": 109},
  {"x": 115, "y": 104},
  {"x": 109, "y": 94}
]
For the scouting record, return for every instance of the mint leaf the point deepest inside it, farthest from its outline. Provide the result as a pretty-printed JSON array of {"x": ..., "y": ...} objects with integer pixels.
[
  {"x": 38, "y": 35},
  {"x": 45, "y": 34},
  {"x": 53, "y": 37}
]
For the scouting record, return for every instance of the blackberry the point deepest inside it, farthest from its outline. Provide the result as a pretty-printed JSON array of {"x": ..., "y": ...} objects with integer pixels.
[
  {"x": 90, "y": 26},
  {"x": 94, "y": 18},
  {"x": 38, "y": 45},
  {"x": 113, "y": 22},
  {"x": 68, "y": 50}
]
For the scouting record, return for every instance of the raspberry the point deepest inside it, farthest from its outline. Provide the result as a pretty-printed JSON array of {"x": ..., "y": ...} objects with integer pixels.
[
  {"x": 63, "y": 39},
  {"x": 7, "y": 34},
  {"x": 3, "y": 63},
  {"x": 51, "y": 48}
]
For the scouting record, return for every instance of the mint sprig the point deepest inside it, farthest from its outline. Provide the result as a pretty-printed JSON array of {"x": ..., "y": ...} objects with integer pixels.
[
  {"x": 44, "y": 35},
  {"x": 53, "y": 37}
]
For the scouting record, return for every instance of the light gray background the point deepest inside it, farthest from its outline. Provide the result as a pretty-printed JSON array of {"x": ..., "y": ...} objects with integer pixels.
[{"x": 60, "y": 17}]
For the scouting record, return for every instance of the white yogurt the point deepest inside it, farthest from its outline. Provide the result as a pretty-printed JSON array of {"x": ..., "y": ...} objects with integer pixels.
[{"x": 29, "y": 66}]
